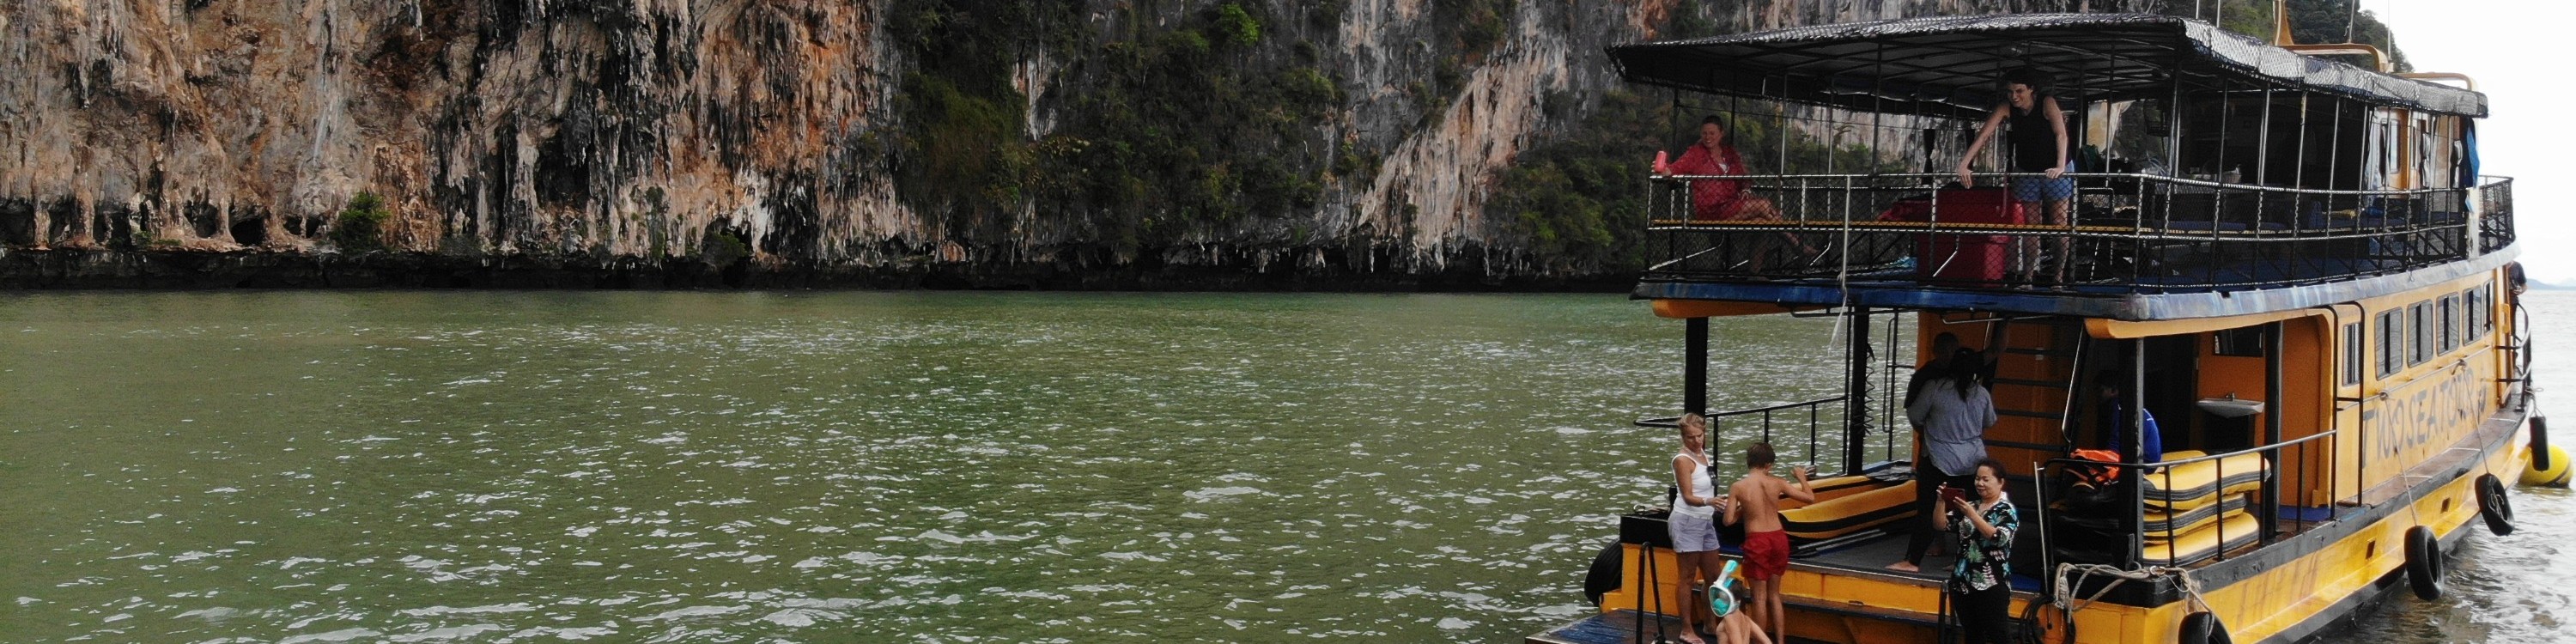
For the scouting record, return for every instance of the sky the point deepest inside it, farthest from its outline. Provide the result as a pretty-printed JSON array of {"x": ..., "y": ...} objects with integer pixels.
[{"x": 2505, "y": 46}]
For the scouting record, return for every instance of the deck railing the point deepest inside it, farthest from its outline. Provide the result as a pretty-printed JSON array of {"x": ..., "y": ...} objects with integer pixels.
[
  {"x": 2495, "y": 213},
  {"x": 2278, "y": 506},
  {"x": 1817, "y": 425},
  {"x": 2129, "y": 233}
]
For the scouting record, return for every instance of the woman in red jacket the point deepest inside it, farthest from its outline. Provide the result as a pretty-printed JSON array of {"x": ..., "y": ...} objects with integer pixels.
[
  {"x": 1719, "y": 199},
  {"x": 1730, "y": 199}
]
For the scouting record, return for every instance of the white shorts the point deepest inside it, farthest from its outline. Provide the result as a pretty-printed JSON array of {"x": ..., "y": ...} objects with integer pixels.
[{"x": 1692, "y": 533}]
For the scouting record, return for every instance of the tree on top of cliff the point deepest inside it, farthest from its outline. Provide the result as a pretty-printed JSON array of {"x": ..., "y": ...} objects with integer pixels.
[{"x": 361, "y": 226}]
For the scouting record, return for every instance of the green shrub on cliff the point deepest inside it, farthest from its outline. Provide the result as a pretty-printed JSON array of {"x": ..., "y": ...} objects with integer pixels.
[
  {"x": 1578, "y": 203},
  {"x": 1237, "y": 26},
  {"x": 1167, "y": 126},
  {"x": 1473, "y": 26},
  {"x": 970, "y": 159},
  {"x": 963, "y": 156},
  {"x": 721, "y": 248},
  {"x": 361, "y": 226}
]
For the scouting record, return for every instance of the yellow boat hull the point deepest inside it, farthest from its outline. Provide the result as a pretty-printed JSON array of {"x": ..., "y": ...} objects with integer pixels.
[{"x": 2313, "y": 583}]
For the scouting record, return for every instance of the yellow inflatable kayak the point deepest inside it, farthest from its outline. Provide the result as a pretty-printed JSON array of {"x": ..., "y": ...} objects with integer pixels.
[
  {"x": 2161, "y": 521},
  {"x": 1852, "y": 510},
  {"x": 2239, "y": 528},
  {"x": 1835, "y": 488},
  {"x": 2192, "y": 485}
]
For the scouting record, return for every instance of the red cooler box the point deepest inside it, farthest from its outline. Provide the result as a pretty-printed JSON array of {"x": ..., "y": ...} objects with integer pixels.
[{"x": 1967, "y": 257}]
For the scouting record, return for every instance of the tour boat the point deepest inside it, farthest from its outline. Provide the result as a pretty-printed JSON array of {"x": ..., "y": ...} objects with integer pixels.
[{"x": 2291, "y": 260}]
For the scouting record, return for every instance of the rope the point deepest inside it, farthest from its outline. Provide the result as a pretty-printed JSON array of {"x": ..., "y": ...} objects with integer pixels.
[{"x": 2081, "y": 572}]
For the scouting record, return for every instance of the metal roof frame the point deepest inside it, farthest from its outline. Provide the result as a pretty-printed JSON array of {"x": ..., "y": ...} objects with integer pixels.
[{"x": 1949, "y": 66}]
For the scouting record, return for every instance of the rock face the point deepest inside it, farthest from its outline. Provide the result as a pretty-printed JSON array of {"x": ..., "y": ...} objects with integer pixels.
[
  {"x": 493, "y": 128},
  {"x": 696, "y": 138}
]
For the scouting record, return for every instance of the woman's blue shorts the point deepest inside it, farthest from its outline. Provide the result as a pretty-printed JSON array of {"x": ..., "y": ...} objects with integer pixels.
[{"x": 2039, "y": 187}]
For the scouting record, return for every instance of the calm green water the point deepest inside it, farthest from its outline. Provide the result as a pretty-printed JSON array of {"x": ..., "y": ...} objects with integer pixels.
[
  {"x": 929, "y": 467},
  {"x": 188, "y": 467}
]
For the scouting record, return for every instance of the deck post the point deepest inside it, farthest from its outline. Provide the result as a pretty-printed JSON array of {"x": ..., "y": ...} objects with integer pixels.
[
  {"x": 1856, "y": 392},
  {"x": 2272, "y": 348},
  {"x": 2137, "y": 449},
  {"x": 1695, "y": 366}
]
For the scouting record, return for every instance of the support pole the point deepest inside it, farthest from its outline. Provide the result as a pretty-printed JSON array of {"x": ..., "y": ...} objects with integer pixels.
[
  {"x": 1856, "y": 393},
  {"x": 2137, "y": 447},
  {"x": 1695, "y": 366},
  {"x": 2272, "y": 334}
]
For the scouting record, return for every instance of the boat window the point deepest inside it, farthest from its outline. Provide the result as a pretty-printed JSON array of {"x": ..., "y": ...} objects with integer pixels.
[
  {"x": 2419, "y": 345},
  {"x": 2448, "y": 330},
  {"x": 2392, "y": 353},
  {"x": 2244, "y": 342},
  {"x": 2428, "y": 147},
  {"x": 2380, "y": 157},
  {"x": 2468, "y": 320},
  {"x": 2487, "y": 313},
  {"x": 2463, "y": 330},
  {"x": 2352, "y": 360},
  {"x": 2485, "y": 309},
  {"x": 2468, "y": 316}
]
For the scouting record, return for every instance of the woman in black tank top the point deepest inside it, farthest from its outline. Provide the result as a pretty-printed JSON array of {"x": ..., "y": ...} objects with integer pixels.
[{"x": 2036, "y": 144}]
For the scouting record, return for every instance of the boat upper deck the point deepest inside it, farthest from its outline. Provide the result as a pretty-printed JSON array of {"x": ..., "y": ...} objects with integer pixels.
[
  {"x": 2204, "y": 173},
  {"x": 2138, "y": 247}
]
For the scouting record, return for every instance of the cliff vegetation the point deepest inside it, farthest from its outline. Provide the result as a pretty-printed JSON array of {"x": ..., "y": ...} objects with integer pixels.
[{"x": 968, "y": 143}]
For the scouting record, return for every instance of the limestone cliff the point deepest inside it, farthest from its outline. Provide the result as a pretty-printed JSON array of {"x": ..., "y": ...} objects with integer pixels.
[{"x": 836, "y": 138}]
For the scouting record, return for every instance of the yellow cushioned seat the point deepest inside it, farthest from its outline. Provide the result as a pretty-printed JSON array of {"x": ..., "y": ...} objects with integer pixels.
[{"x": 2191, "y": 485}]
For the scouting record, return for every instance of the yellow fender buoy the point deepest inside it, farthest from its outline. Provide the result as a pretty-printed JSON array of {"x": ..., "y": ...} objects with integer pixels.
[{"x": 2554, "y": 475}]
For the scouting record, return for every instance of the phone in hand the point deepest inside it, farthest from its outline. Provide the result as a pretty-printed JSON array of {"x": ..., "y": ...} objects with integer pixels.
[{"x": 1951, "y": 495}]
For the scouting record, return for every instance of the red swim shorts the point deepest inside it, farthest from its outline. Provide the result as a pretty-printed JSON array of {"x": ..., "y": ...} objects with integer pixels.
[{"x": 1766, "y": 555}]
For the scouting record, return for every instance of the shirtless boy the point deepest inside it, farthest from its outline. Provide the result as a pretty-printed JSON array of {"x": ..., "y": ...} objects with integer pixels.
[
  {"x": 1735, "y": 628},
  {"x": 1755, "y": 501}
]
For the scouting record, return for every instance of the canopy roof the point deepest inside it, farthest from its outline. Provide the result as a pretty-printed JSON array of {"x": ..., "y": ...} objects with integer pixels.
[{"x": 1949, "y": 66}]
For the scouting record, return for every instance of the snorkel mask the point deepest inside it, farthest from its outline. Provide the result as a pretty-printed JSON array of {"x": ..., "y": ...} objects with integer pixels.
[{"x": 1720, "y": 601}]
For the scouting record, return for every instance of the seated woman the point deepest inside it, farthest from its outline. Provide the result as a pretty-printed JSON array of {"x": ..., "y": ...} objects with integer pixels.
[
  {"x": 1719, "y": 200},
  {"x": 1723, "y": 199}
]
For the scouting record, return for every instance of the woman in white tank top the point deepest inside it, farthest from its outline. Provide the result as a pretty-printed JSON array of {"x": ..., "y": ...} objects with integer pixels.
[{"x": 1694, "y": 530}]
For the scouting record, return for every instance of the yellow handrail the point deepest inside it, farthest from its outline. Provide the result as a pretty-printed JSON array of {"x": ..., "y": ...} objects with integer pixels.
[
  {"x": 2464, "y": 78},
  {"x": 2281, "y": 38}
]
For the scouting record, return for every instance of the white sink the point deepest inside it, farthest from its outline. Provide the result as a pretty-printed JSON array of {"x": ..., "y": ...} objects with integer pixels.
[{"x": 2231, "y": 407}]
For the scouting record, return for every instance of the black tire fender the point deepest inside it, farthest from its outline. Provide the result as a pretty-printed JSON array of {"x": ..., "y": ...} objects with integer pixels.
[
  {"x": 2424, "y": 562},
  {"x": 2044, "y": 622},
  {"x": 2493, "y": 506},
  {"x": 2201, "y": 627},
  {"x": 2540, "y": 442},
  {"x": 1605, "y": 573}
]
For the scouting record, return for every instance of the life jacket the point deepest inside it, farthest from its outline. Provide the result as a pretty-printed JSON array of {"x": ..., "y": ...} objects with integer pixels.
[{"x": 2096, "y": 474}]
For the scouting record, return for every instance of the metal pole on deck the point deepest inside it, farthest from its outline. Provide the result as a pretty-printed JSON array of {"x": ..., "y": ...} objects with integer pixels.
[
  {"x": 1856, "y": 392},
  {"x": 1695, "y": 366},
  {"x": 2272, "y": 428},
  {"x": 2137, "y": 446}
]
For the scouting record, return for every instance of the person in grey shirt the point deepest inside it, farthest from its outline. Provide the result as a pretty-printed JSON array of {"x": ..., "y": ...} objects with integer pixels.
[{"x": 1954, "y": 411}]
